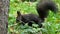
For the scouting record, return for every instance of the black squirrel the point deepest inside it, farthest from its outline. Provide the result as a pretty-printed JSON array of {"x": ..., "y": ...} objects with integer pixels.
[
  {"x": 42, "y": 8},
  {"x": 28, "y": 18}
]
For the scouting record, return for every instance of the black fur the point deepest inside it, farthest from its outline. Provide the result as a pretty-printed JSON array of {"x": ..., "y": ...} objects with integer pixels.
[
  {"x": 43, "y": 7},
  {"x": 28, "y": 18}
]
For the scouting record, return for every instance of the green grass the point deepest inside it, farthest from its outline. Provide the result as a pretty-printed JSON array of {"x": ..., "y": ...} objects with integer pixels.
[{"x": 51, "y": 24}]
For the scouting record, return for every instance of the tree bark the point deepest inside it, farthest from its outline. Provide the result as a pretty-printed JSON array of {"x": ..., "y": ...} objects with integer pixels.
[{"x": 4, "y": 8}]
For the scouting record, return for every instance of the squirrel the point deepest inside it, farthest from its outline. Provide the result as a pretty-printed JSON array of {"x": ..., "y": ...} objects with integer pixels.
[
  {"x": 42, "y": 8},
  {"x": 28, "y": 18}
]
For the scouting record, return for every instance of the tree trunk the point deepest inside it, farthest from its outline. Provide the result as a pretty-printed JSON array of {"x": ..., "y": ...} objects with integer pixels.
[{"x": 4, "y": 5}]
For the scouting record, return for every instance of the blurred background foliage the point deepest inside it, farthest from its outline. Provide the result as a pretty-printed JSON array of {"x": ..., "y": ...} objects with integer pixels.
[{"x": 51, "y": 24}]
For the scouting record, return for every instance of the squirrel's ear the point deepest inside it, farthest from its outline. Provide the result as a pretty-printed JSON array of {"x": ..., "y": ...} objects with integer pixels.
[{"x": 18, "y": 13}]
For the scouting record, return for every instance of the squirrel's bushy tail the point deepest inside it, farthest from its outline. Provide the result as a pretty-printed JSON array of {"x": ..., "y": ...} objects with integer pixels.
[{"x": 43, "y": 8}]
